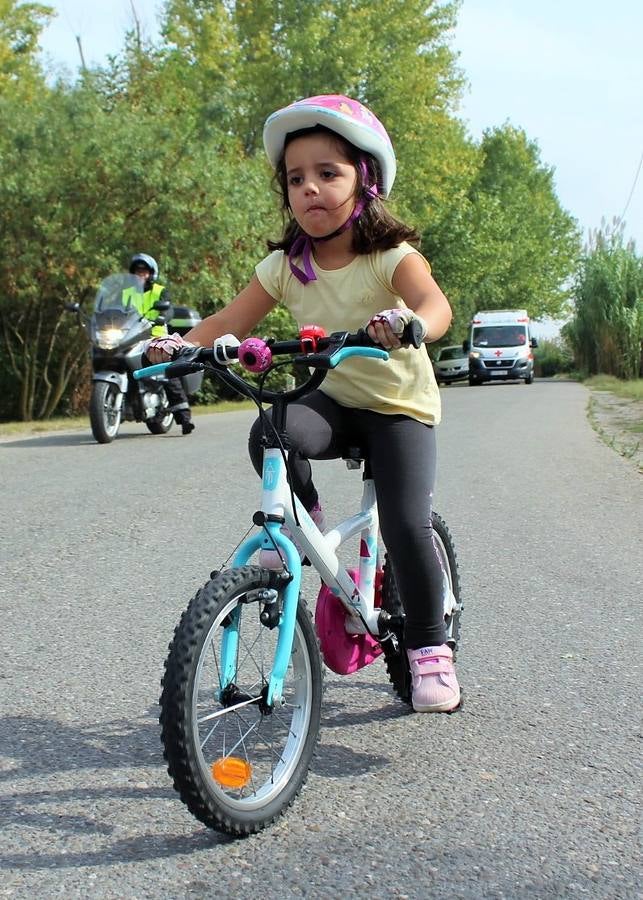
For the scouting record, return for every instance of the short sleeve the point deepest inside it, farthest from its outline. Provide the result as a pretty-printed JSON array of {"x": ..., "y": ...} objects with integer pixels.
[
  {"x": 269, "y": 273},
  {"x": 386, "y": 262}
]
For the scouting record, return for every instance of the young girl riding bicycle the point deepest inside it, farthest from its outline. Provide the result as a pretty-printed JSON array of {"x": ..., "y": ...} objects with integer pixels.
[{"x": 344, "y": 263}]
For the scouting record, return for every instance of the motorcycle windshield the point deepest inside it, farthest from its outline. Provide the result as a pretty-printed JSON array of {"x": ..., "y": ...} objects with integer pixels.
[
  {"x": 119, "y": 292},
  {"x": 116, "y": 322}
]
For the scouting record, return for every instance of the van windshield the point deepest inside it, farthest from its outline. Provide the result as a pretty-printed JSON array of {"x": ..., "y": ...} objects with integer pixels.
[{"x": 499, "y": 336}]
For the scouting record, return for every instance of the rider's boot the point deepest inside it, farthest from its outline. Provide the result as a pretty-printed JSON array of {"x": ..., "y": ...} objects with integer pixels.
[
  {"x": 435, "y": 684},
  {"x": 270, "y": 559},
  {"x": 183, "y": 417}
]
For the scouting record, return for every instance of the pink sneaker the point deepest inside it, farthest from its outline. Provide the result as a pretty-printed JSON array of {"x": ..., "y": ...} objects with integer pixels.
[
  {"x": 435, "y": 685},
  {"x": 270, "y": 559}
]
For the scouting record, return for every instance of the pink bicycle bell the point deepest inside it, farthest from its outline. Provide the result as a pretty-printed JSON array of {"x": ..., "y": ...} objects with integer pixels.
[
  {"x": 342, "y": 652},
  {"x": 254, "y": 355}
]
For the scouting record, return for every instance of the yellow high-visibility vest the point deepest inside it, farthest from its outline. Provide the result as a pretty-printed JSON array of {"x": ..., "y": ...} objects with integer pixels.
[{"x": 144, "y": 303}]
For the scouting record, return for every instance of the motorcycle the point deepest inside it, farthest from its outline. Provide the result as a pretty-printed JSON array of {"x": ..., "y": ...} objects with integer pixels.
[{"x": 117, "y": 332}]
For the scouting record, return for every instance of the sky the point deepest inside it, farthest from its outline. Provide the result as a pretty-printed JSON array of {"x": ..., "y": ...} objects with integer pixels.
[{"x": 569, "y": 72}]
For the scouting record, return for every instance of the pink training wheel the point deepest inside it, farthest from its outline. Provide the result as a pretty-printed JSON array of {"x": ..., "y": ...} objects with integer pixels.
[
  {"x": 254, "y": 355},
  {"x": 342, "y": 652}
]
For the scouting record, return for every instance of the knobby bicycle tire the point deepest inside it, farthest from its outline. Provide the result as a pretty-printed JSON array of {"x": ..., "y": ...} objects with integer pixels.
[{"x": 271, "y": 746}]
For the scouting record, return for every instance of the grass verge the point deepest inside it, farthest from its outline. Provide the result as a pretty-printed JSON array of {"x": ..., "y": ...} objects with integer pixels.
[
  {"x": 628, "y": 390},
  {"x": 81, "y": 423}
]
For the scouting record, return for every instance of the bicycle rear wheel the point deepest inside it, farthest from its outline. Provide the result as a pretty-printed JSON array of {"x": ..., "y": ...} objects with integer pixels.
[
  {"x": 236, "y": 762},
  {"x": 397, "y": 664}
]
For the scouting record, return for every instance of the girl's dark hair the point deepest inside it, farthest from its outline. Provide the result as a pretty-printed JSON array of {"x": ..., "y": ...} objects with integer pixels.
[{"x": 375, "y": 229}]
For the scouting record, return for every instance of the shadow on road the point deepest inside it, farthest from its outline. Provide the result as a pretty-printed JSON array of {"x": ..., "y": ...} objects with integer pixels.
[
  {"x": 75, "y": 439},
  {"x": 70, "y": 784},
  {"x": 76, "y": 753},
  {"x": 40, "y": 746}
]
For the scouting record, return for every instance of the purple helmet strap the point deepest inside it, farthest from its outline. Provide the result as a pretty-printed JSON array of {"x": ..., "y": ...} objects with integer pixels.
[{"x": 303, "y": 243}]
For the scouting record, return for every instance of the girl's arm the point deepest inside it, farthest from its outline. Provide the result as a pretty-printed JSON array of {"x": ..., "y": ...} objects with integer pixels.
[
  {"x": 239, "y": 317},
  {"x": 413, "y": 282}
]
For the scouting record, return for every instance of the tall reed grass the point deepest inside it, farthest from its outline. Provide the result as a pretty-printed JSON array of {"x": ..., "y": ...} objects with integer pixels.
[{"x": 607, "y": 331}]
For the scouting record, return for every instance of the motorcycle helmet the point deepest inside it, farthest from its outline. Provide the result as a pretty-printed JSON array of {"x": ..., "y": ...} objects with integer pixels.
[
  {"x": 149, "y": 261},
  {"x": 340, "y": 114}
]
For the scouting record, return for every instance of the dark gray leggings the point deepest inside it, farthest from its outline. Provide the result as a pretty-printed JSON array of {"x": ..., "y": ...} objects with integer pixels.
[{"x": 402, "y": 454}]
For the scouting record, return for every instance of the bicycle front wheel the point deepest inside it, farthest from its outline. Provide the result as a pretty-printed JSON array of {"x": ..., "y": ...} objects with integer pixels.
[{"x": 236, "y": 761}]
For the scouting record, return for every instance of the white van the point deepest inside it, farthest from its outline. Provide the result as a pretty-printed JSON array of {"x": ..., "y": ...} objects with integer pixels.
[{"x": 500, "y": 346}]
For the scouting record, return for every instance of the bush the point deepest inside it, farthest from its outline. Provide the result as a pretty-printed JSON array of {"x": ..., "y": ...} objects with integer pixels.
[{"x": 553, "y": 358}]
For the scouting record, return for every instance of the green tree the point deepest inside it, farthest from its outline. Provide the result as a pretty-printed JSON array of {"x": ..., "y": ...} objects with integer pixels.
[
  {"x": 607, "y": 329},
  {"x": 506, "y": 242},
  {"x": 88, "y": 175},
  {"x": 20, "y": 28},
  {"x": 245, "y": 59}
]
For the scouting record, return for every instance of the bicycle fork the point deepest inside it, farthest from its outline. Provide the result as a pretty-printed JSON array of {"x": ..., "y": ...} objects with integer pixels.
[{"x": 271, "y": 517}]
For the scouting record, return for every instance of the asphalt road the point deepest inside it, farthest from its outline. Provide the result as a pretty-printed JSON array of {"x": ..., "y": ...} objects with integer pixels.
[{"x": 532, "y": 790}]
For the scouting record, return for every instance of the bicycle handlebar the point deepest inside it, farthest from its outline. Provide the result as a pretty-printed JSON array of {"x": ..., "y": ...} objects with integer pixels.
[{"x": 318, "y": 352}]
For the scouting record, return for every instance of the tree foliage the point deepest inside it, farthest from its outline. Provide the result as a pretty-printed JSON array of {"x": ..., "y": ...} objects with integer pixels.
[
  {"x": 85, "y": 186},
  {"x": 20, "y": 27},
  {"x": 506, "y": 242}
]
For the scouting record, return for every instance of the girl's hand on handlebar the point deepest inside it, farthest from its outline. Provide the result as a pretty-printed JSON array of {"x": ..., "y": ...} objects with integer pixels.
[
  {"x": 164, "y": 349},
  {"x": 386, "y": 327}
]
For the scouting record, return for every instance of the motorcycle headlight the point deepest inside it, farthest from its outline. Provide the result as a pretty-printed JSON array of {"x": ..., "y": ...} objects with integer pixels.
[{"x": 108, "y": 338}]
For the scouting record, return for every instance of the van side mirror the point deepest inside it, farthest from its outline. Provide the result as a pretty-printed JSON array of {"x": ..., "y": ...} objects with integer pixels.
[
  {"x": 72, "y": 307},
  {"x": 466, "y": 346},
  {"x": 533, "y": 343}
]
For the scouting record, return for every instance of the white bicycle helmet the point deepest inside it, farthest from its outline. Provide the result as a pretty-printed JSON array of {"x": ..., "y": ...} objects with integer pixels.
[
  {"x": 340, "y": 114},
  {"x": 149, "y": 261}
]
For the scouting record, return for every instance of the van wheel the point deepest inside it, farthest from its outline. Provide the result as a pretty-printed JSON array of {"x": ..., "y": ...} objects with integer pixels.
[
  {"x": 529, "y": 378},
  {"x": 473, "y": 381}
]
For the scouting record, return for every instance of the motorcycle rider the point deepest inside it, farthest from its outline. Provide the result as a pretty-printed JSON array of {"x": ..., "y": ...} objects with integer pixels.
[{"x": 146, "y": 269}]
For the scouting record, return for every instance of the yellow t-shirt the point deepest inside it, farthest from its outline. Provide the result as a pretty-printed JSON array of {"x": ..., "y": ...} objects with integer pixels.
[{"x": 344, "y": 300}]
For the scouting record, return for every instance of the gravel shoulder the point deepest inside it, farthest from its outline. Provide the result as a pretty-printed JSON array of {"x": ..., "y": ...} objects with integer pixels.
[{"x": 619, "y": 423}]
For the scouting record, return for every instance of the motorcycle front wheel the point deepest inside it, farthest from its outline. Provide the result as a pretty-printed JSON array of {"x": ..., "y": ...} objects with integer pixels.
[{"x": 104, "y": 411}]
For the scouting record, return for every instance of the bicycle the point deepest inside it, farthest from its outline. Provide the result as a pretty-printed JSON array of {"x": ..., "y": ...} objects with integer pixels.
[{"x": 242, "y": 688}]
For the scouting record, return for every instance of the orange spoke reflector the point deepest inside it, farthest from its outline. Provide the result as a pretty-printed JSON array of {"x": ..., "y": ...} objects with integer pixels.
[{"x": 231, "y": 772}]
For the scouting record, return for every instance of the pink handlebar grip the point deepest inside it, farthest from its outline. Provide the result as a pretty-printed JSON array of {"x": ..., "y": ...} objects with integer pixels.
[{"x": 254, "y": 355}]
